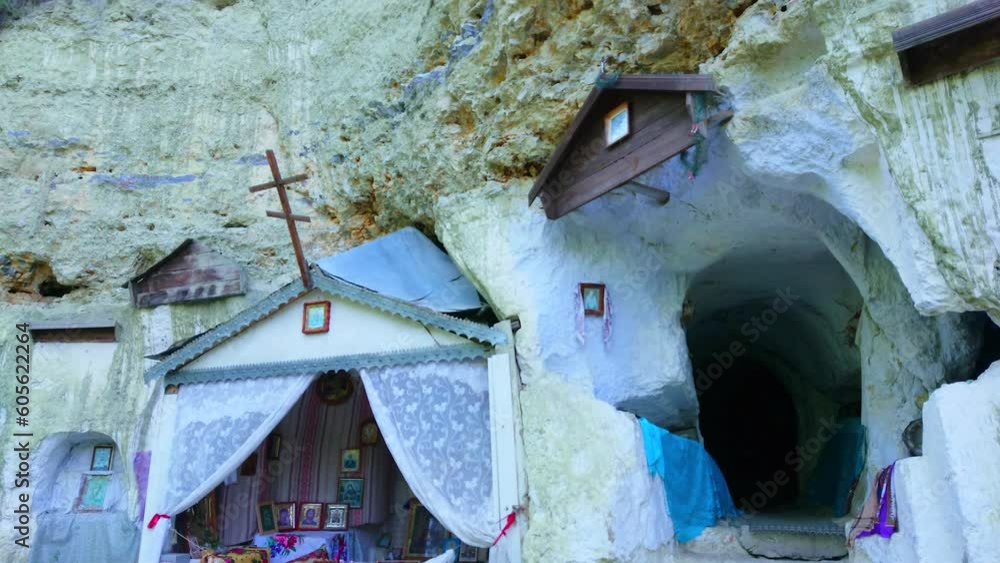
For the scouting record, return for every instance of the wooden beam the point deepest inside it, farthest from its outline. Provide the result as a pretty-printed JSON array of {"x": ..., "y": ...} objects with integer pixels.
[
  {"x": 280, "y": 215},
  {"x": 656, "y": 194},
  {"x": 287, "y": 209},
  {"x": 949, "y": 43},
  {"x": 95, "y": 334},
  {"x": 946, "y": 23},
  {"x": 275, "y": 183},
  {"x": 665, "y": 82}
]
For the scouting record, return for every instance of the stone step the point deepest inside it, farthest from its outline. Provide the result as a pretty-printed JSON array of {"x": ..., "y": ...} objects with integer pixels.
[
  {"x": 738, "y": 544},
  {"x": 744, "y": 559}
]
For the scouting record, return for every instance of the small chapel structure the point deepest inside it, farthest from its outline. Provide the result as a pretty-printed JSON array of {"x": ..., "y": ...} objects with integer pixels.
[{"x": 354, "y": 414}]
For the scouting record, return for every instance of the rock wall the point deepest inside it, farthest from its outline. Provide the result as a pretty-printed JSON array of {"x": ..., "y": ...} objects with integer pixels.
[
  {"x": 131, "y": 125},
  {"x": 821, "y": 107}
]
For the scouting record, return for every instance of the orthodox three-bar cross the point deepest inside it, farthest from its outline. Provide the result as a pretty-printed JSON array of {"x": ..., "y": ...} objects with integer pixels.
[{"x": 286, "y": 212}]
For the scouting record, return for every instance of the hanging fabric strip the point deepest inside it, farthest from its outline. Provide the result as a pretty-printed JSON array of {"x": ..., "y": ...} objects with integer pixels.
[
  {"x": 140, "y": 465},
  {"x": 308, "y": 443},
  {"x": 511, "y": 518},
  {"x": 222, "y": 424},
  {"x": 607, "y": 316},
  {"x": 156, "y": 520},
  {"x": 878, "y": 516},
  {"x": 580, "y": 337}
]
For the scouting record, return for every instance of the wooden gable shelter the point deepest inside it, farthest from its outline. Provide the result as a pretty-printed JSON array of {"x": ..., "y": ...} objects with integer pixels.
[
  {"x": 949, "y": 43},
  {"x": 622, "y": 130},
  {"x": 191, "y": 272}
]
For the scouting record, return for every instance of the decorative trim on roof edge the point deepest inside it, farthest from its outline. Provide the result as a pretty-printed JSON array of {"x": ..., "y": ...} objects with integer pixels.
[
  {"x": 360, "y": 295},
  {"x": 270, "y": 304},
  {"x": 224, "y": 331},
  {"x": 318, "y": 365}
]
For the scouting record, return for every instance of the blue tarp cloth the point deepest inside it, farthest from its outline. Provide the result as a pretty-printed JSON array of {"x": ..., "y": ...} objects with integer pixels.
[
  {"x": 839, "y": 465},
  {"x": 408, "y": 266},
  {"x": 697, "y": 494}
]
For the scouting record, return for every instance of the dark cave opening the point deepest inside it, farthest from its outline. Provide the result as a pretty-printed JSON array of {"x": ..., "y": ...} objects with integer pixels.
[{"x": 749, "y": 424}]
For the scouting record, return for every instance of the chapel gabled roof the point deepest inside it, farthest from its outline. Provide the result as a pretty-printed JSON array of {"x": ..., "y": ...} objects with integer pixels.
[{"x": 289, "y": 293}]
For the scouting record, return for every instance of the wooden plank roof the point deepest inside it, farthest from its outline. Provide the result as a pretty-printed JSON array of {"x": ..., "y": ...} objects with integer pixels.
[
  {"x": 679, "y": 83},
  {"x": 190, "y": 272},
  {"x": 949, "y": 43},
  {"x": 947, "y": 23}
]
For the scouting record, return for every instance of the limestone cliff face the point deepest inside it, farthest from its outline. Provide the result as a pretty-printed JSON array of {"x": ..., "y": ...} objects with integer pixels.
[
  {"x": 130, "y": 125},
  {"x": 127, "y": 126},
  {"x": 822, "y": 108}
]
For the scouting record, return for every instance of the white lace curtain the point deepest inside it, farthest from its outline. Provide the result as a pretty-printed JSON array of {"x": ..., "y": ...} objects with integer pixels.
[
  {"x": 435, "y": 418},
  {"x": 217, "y": 426}
]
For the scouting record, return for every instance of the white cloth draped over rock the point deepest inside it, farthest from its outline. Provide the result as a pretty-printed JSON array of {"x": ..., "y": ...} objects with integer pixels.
[{"x": 435, "y": 418}]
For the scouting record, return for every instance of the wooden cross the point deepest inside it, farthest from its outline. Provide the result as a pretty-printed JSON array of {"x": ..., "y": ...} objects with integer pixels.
[{"x": 286, "y": 212}]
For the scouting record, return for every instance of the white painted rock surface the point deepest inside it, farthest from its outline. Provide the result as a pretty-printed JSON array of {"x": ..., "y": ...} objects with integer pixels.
[{"x": 129, "y": 126}]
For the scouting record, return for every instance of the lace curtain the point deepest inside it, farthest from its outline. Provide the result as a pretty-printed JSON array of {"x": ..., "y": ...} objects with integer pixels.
[
  {"x": 217, "y": 426},
  {"x": 435, "y": 418},
  {"x": 221, "y": 424}
]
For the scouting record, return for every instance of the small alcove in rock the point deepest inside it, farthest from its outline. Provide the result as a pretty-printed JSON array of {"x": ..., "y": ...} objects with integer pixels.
[{"x": 81, "y": 501}]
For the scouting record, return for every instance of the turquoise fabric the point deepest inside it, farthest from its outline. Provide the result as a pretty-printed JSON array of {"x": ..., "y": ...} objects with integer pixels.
[
  {"x": 839, "y": 465},
  {"x": 697, "y": 494}
]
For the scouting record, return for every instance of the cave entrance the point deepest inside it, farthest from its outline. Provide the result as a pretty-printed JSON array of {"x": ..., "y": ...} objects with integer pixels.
[
  {"x": 777, "y": 371},
  {"x": 749, "y": 424}
]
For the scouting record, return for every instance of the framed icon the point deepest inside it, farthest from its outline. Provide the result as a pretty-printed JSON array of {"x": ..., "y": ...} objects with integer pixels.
[
  {"x": 369, "y": 433},
  {"x": 592, "y": 295},
  {"x": 267, "y": 523},
  {"x": 285, "y": 512},
  {"x": 249, "y": 466},
  {"x": 310, "y": 515},
  {"x": 335, "y": 387},
  {"x": 336, "y": 517},
  {"x": 316, "y": 317},
  {"x": 617, "y": 125},
  {"x": 468, "y": 553},
  {"x": 351, "y": 492},
  {"x": 274, "y": 446},
  {"x": 425, "y": 536},
  {"x": 350, "y": 460},
  {"x": 93, "y": 491},
  {"x": 102, "y": 458}
]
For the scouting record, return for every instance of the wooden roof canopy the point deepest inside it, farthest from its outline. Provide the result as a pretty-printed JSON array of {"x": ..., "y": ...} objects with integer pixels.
[
  {"x": 585, "y": 166},
  {"x": 949, "y": 43},
  {"x": 191, "y": 272}
]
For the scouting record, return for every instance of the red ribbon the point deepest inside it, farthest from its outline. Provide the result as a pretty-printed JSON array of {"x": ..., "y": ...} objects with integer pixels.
[
  {"x": 510, "y": 522},
  {"x": 156, "y": 520}
]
